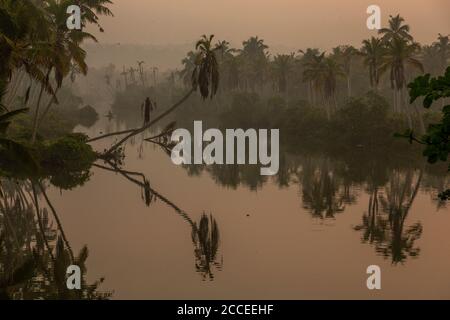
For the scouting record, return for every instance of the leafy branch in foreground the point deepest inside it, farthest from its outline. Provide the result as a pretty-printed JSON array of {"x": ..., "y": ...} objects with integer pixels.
[{"x": 436, "y": 139}]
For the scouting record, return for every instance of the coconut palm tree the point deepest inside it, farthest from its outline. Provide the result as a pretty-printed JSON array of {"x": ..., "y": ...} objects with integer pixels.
[
  {"x": 254, "y": 62},
  {"x": 205, "y": 78},
  {"x": 429, "y": 55},
  {"x": 322, "y": 71},
  {"x": 312, "y": 61},
  {"x": 62, "y": 47},
  {"x": 230, "y": 70},
  {"x": 206, "y": 73},
  {"x": 332, "y": 70},
  {"x": 282, "y": 67},
  {"x": 141, "y": 71},
  {"x": 155, "y": 71},
  {"x": 189, "y": 63},
  {"x": 228, "y": 65},
  {"x": 396, "y": 30},
  {"x": 124, "y": 73},
  {"x": 443, "y": 49},
  {"x": 373, "y": 51},
  {"x": 345, "y": 55},
  {"x": 254, "y": 47},
  {"x": 24, "y": 24},
  {"x": 399, "y": 55}
]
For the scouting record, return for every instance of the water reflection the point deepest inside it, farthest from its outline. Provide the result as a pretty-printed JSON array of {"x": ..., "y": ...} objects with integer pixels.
[
  {"x": 205, "y": 234},
  {"x": 329, "y": 184},
  {"x": 34, "y": 250},
  {"x": 206, "y": 238},
  {"x": 320, "y": 187}
]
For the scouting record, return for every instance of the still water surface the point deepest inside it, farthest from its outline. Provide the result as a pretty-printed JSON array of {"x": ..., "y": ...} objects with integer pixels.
[{"x": 309, "y": 233}]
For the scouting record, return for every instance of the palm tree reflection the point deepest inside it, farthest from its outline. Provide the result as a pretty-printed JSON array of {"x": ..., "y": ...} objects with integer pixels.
[
  {"x": 206, "y": 238},
  {"x": 35, "y": 254},
  {"x": 205, "y": 234},
  {"x": 320, "y": 190},
  {"x": 387, "y": 230}
]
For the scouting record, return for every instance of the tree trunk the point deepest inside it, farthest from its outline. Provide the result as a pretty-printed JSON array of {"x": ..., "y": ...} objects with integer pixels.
[
  {"x": 163, "y": 115},
  {"x": 36, "y": 115},
  {"x": 406, "y": 109},
  {"x": 349, "y": 87},
  {"x": 47, "y": 108}
]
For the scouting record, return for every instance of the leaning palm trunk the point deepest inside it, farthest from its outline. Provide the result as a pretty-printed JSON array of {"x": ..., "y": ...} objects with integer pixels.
[{"x": 135, "y": 132}]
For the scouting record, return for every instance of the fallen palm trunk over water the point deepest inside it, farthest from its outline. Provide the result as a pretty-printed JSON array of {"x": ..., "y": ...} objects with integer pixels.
[{"x": 133, "y": 132}]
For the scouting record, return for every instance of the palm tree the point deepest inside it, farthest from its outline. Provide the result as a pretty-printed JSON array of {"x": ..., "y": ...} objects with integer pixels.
[
  {"x": 24, "y": 24},
  {"x": 205, "y": 77},
  {"x": 373, "y": 51},
  {"x": 254, "y": 48},
  {"x": 155, "y": 71},
  {"x": 189, "y": 64},
  {"x": 17, "y": 151},
  {"x": 141, "y": 72},
  {"x": 62, "y": 47},
  {"x": 396, "y": 30},
  {"x": 344, "y": 55},
  {"x": 312, "y": 64},
  {"x": 400, "y": 54},
  {"x": 228, "y": 65},
  {"x": 430, "y": 59},
  {"x": 443, "y": 49},
  {"x": 254, "y": 59},
  {"x": 282, "y": 67},
  {"x": 310, "y": 60},
  {"x": 323, "y": 72},
  {"x": 206, "y": 73},
  {"x": 331, "y": 71},
  {"x": 230, "y": 70},
  {"x": 125, "y": 77}
]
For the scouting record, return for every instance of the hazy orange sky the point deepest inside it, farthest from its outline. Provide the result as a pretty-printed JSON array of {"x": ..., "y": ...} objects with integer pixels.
[{"x": 294, "y": 23}]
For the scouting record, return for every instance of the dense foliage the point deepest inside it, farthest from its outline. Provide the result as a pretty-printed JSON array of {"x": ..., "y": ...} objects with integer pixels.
[{"x": 437, "y": 137}]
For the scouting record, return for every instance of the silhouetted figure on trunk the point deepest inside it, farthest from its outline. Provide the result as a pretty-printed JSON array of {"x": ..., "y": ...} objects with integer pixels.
[{"x": 147, "y": 107}]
